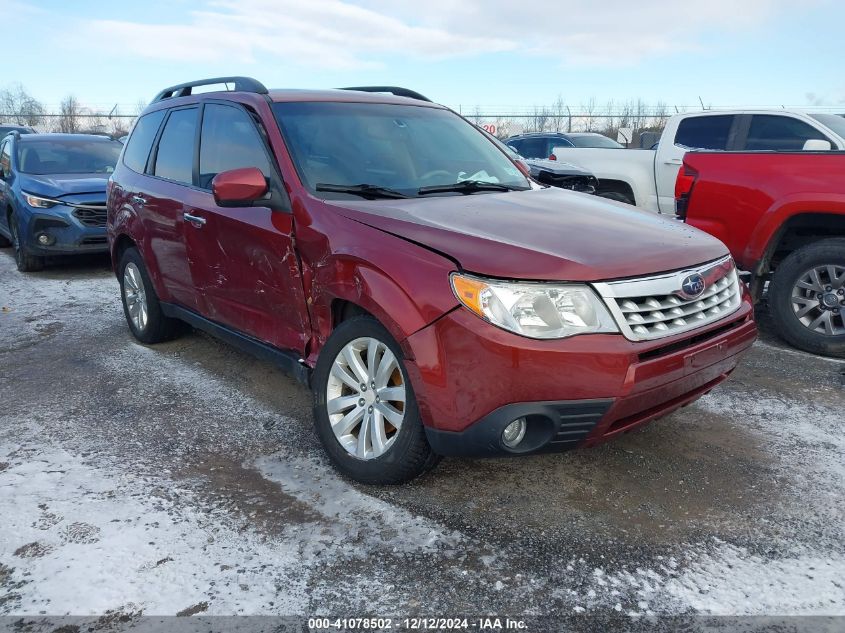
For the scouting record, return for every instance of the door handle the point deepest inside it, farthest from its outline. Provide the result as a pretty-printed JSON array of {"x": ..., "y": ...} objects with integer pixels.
[
  {"x": 139, "y": 200},
  {"x": 674, "y": 161},
  {"x": 195, "y": 220}
]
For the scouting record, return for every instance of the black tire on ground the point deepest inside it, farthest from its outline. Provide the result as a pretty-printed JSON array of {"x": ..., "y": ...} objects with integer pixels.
[
  {"x": 25, "y": 261},
  {"x": 615, "y": 195},
  {"x": 158, "y": 327},
  {"x": 410, "y": 455},
  {"x": 787, "y": 274}
]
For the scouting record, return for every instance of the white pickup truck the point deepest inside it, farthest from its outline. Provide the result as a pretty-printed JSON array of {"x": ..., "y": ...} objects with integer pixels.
[{"x": 646, "y": 178}]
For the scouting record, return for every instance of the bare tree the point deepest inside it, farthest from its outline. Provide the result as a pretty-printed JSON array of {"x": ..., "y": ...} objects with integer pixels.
[
  {"x": 68, "y": 119},
  {"x": 589, "y": 110},
  {"x": 118, "y": 124},
  {"x": 19, "y": 107},
  {"x": 558, "y": 112},
  {"x": 539, "y": 119},
  {"x": 476, "y": 117}
]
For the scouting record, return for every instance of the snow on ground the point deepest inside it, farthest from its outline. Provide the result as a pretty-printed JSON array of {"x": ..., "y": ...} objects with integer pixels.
[
  {"x": 87, "y": 539},
  {"x": 732, "y": 580},
  {"x": 123, "y": 512}
]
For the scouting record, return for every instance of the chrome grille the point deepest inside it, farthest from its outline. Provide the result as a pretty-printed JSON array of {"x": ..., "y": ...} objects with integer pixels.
[{"x": 656, "y": 307}]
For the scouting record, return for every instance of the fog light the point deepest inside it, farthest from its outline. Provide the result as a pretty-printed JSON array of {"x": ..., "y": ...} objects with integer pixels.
[
  {"x": 514, "y": 432},
  {"x": 45, "y": 239}
]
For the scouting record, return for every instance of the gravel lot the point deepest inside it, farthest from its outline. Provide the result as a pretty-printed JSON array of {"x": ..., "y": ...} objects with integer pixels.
[{"x": 185, "y": 478}]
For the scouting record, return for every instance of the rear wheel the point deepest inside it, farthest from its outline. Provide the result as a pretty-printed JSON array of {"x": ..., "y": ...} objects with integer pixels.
[
  {"x": 365, "y": 411},
  {"x": 807, "y": 298},
  {"x": 141, "y": 306},
  {"x": 25, "y": 262}
]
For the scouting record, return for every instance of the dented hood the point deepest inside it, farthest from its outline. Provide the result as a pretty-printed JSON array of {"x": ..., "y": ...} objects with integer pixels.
[{"x": 547, "y": 234}]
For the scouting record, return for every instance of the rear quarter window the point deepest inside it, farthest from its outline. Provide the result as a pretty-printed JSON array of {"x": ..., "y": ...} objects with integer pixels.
[
  {"x": 705, "y": 132},
  {"x": 141, "y": 141}
]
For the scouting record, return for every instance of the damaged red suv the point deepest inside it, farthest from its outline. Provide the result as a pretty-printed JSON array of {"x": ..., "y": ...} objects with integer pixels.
[{"x": 385, "y": 252}]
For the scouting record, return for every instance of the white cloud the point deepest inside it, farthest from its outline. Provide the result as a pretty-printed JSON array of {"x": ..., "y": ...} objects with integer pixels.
[
  {"x": 322, "y": 33},
  {"x": 340, "y": 34}
]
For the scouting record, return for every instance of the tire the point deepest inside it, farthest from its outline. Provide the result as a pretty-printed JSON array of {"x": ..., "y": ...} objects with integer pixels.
[
  {"x": 615, "y": 195},
  {"x": 138, "y": 296},
  {"x": 794, "y": 278},
  {"x": 406, "y": 453},
  {"x": 26, "y": 262}
]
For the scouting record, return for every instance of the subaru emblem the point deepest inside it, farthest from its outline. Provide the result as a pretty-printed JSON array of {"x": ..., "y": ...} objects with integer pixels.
[{"x": 692, "y": 286}]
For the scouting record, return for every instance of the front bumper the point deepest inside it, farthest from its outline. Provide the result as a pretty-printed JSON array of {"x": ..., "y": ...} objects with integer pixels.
[
  {"x": 70, "y": 235},
  {"x": 471, "y": 379}
]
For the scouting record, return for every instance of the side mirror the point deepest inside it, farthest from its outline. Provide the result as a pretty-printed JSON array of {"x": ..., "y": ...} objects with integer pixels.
[
  {"x": 817, "y": 145},
  {"x": 239, "y": 187}
]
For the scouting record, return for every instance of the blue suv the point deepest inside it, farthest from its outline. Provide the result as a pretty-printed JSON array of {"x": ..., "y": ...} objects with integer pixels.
[{"x": 53, "y": 194}]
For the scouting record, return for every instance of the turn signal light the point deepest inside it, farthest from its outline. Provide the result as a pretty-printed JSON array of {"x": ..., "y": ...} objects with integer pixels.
[{"x": 469, "y": 291}]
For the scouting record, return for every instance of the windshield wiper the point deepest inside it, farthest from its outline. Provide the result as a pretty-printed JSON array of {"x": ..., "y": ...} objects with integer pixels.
[
  {"x": 467, "y": 186},
  {"x": 363, "y": 190}
]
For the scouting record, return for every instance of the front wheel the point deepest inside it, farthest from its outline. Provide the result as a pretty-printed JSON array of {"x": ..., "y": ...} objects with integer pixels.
[
  {"x": 25, "y": 262},
  {"x": 365, "y": 412},
  {"x": 807, "y": 298}
]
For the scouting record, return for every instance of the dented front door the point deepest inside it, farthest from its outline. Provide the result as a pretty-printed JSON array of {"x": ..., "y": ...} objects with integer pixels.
[{"x": 246, "y": 271}]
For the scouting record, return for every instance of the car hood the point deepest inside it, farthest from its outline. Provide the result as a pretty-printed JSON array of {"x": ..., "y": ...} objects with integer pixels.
[
  {"x": 58, "y": 185},
  {"x": 546, "y": 234}
]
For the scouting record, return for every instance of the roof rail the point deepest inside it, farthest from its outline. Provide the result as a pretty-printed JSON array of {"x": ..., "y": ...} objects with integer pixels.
[
  {"x": 394, "y": 90},
  {"x": 242, "y": 84}
]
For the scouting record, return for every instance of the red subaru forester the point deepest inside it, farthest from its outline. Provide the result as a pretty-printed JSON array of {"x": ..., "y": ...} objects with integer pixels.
[{"x": 388, "y": 254}]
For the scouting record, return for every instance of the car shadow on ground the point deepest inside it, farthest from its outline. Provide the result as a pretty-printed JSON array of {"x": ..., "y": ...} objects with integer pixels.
[{"x": 68, "y": 266}]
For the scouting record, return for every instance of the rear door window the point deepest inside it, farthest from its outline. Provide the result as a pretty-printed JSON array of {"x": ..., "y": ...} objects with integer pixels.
[
  {"x": 780, "y": 133},
  {"x": 141, "y": 141},
  {"x": 5, "y": 158},
  {"x": 229, "y": 140},
  {"x": 705, "y": 132},
  {"x": 517, "y": 145},
  {"x": 175, "y": 153},
  {"x": 534, "y": 148}
]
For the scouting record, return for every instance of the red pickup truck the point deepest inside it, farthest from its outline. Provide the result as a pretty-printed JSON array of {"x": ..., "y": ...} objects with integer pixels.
[{"x": 782, "y": 215}]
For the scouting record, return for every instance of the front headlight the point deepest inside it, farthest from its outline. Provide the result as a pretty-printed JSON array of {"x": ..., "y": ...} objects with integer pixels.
[
  {"x": 38, "y": 202},
  {"x": 534, "y": 309}
]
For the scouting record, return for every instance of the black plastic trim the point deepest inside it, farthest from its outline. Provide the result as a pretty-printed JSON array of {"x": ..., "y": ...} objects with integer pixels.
[
  {"x": 242, "y": 84},
  {"x": 285, "y": 360},
  {"x": 394, "y": 90},
  {"x": 552, "y": 426}
]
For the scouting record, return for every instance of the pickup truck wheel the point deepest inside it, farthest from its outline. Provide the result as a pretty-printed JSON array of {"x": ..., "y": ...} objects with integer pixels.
[
  {"x": 141, "y": 306},
  {"x": 807, "y": 298},
  {"x": 365, "y": 412},
  {"x": 25, "y": 262}
]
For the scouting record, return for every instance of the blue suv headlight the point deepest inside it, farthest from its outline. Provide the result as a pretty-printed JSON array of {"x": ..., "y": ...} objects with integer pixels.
[{"x": 38, "y": 202}]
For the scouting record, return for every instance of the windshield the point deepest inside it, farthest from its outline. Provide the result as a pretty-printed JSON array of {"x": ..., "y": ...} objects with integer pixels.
[
  {"x": 835, "y": 122},
  {"x": 595, "y": 141},
  {"x": 396, "y": 147},
  {"x": 62, "y": 156}
]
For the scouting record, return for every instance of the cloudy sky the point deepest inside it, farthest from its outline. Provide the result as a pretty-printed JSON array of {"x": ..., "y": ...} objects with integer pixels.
[{"x": 463, "y": 53}]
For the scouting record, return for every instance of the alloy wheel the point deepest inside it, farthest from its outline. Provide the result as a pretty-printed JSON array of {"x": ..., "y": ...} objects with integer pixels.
[
  {"x": 365, "y": 398},
  {"x": 818, "y": 300},
  {"x": 135, "y": 296}
]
